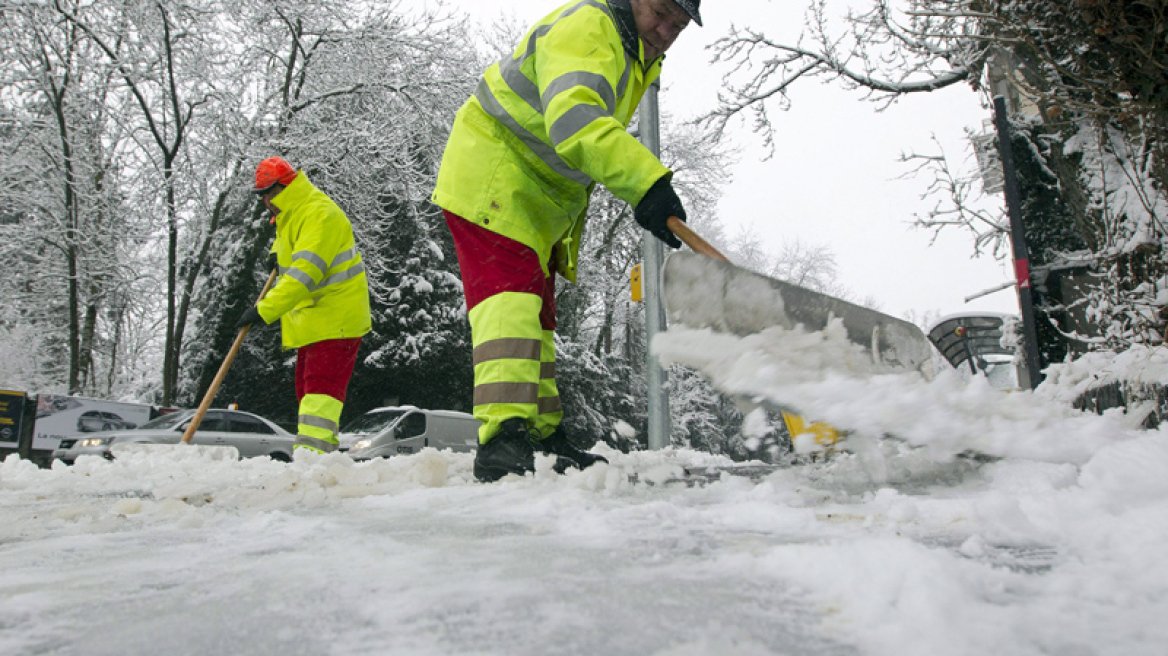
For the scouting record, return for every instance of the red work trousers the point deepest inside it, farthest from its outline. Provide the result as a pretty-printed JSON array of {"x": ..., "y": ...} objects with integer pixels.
[
  {"x": 325, "y": 367},
  {"x": 490, "y": 264},
  {"x": 512, "y": 310}
]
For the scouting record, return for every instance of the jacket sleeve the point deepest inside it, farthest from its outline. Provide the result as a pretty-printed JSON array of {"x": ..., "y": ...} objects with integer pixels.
[
  {"x": 313, "y": 248},
  {"x": 579, "y": 66}
]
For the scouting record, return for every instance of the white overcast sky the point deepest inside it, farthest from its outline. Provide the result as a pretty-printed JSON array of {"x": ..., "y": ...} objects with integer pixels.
[{"x": 834, "y": 177}]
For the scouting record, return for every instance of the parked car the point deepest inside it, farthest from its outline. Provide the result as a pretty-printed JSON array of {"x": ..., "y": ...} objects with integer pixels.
[
  {"x": 251, "y": 434},
  {"x": 385, "y": 432},
  {"x": 94, "y": 421}
]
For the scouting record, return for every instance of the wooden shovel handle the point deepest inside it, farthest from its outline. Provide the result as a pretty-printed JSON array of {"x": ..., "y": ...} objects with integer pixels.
[
  {"x": 210, "y": 395},
  {"x": 691, "y": 239}
]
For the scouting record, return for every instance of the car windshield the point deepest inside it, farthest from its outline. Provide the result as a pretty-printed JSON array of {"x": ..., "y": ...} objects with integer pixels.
[
  {"x": 372, "y": 422},
  {"x": 168, "y": 420}
]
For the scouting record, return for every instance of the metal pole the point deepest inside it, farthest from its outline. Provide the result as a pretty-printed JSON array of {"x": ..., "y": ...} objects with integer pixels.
[
  {"x": 1018, "y": 243},
  {"x": 653, "y": 253},
  {"x": 27, "y": 426}
]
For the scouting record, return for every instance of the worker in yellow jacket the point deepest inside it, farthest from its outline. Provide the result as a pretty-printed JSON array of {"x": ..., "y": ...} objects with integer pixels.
[
  {"x": 321, "y": 298},
  {"x": 545, "y": 124}
]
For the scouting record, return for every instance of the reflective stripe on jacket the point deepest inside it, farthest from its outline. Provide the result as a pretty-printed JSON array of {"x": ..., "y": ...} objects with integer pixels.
[
  {"x": 544, "y": 124},
  {"x": 323, "y": 292}
]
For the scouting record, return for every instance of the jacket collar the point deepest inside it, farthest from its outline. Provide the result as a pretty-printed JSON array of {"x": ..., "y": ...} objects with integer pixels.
[
  {"x": 626, "y": 25},
  {"x": 293, "y": 195}
]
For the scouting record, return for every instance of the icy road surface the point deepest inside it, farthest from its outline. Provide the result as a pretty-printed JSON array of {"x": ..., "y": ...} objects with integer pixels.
[{"x": 179, "y": 554}]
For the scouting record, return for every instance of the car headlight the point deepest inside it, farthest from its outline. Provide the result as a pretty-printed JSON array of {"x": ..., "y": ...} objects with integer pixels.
[
  {"x": 362, "y": 444},
  {"x": 94, "y": 441}
]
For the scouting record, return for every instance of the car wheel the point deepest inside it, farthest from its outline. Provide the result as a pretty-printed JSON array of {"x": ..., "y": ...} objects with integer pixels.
[{"x": 280, "y": 456}]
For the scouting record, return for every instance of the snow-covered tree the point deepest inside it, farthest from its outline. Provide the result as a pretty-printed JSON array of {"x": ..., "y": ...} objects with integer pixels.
[
  {"x": 70, "y": 235},
  {"x": 361, "y": 100},
  {"x": 1086, "y": 81}
]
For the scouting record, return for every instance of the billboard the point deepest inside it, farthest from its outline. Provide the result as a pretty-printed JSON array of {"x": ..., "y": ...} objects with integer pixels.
[
  {"x": 11, "y": 412},
  {"x": 59, "y": 417}
]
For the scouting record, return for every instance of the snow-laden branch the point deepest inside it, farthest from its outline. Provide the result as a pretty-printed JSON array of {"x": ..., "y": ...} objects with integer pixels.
[{"x": 874, "y": 52}]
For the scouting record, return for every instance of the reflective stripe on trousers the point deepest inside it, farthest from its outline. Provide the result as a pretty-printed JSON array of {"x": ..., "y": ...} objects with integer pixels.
[
  {"x": 514, "y": 364},
  {"x": 323, "y": 370},
  {"x": 511, "y": 307},
  {"x": 317, "y": 424}
]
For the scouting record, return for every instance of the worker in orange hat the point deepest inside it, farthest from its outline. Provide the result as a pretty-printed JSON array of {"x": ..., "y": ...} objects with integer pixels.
[{"x": 321, "y": 298}]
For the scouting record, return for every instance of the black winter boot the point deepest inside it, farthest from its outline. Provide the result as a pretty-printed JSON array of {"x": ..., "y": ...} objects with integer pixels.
[
  {"x": 558, "y": 444},
  {"x": 508, "y": 452}
]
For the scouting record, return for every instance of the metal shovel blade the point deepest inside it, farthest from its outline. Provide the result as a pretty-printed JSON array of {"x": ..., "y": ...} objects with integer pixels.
[{"x": 702, "y": 292}]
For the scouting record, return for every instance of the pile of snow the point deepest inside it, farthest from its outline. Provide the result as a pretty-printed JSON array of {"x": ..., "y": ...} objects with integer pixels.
[
  {"x": 825, "y": 377},
  {"x": 1139, "y": 366}
]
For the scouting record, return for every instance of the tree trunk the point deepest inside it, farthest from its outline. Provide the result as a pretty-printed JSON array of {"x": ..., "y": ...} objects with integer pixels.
[
  {"x": 71, "y": 229},
  {"x": 116, "y": 344},
  {"x": 87, "y": 380},
  {"x": 197, "y": 265},
  {"x": 173, "y": 338}
]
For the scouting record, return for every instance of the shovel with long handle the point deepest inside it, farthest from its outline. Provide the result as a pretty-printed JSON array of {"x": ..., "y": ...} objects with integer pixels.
[
  {"x": 708, "y": 291},
  {"x": 691, "y": 239},
  {"x": 210, "y": 395}
]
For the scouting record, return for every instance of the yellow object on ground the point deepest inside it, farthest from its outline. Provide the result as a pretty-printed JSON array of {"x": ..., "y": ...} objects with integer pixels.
[{"x": 812, "y": 437}]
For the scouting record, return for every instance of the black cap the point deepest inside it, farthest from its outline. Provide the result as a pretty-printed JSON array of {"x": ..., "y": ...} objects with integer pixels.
[{"x": 691, "y": 8}]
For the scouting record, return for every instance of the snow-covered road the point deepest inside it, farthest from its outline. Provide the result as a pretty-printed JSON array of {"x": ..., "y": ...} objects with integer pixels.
[{"x": 176, "y": 553}]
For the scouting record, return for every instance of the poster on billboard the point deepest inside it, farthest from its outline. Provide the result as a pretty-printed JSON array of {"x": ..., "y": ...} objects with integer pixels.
[
  {"x": 59, "y": 417},
  {"x": 11, "y": 412}
]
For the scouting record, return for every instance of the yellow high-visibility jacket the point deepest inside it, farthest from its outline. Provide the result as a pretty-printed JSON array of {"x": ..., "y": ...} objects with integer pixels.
[
  {"x": 323, "y": 292},
  {"x": 545, "y": 124}
]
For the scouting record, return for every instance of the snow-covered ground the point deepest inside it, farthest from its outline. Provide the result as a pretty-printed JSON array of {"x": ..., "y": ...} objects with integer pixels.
[{"x": 899, "y": 549}]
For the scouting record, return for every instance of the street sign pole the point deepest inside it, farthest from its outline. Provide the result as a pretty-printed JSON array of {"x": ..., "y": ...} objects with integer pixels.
[
  {"x": 654, "y": 256},
  {"x": 1018, "y": 243}
]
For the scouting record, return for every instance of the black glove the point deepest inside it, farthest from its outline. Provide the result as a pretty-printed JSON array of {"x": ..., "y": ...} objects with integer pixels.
[
  {"x": 658, "y": 204},
  {"x": 273, "y": 262},
  {"x": 250, "y": 316}
]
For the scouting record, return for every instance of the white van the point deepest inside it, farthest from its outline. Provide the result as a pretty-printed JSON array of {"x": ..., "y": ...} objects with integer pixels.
[{"x": 385, "y": 432}]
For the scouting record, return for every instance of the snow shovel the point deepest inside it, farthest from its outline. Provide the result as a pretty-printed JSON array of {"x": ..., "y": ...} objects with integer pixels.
[
  {"x": 214, "y": 388},
  {"x": 704, "y": 290},
  {"x": 205, "y": 451}
]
